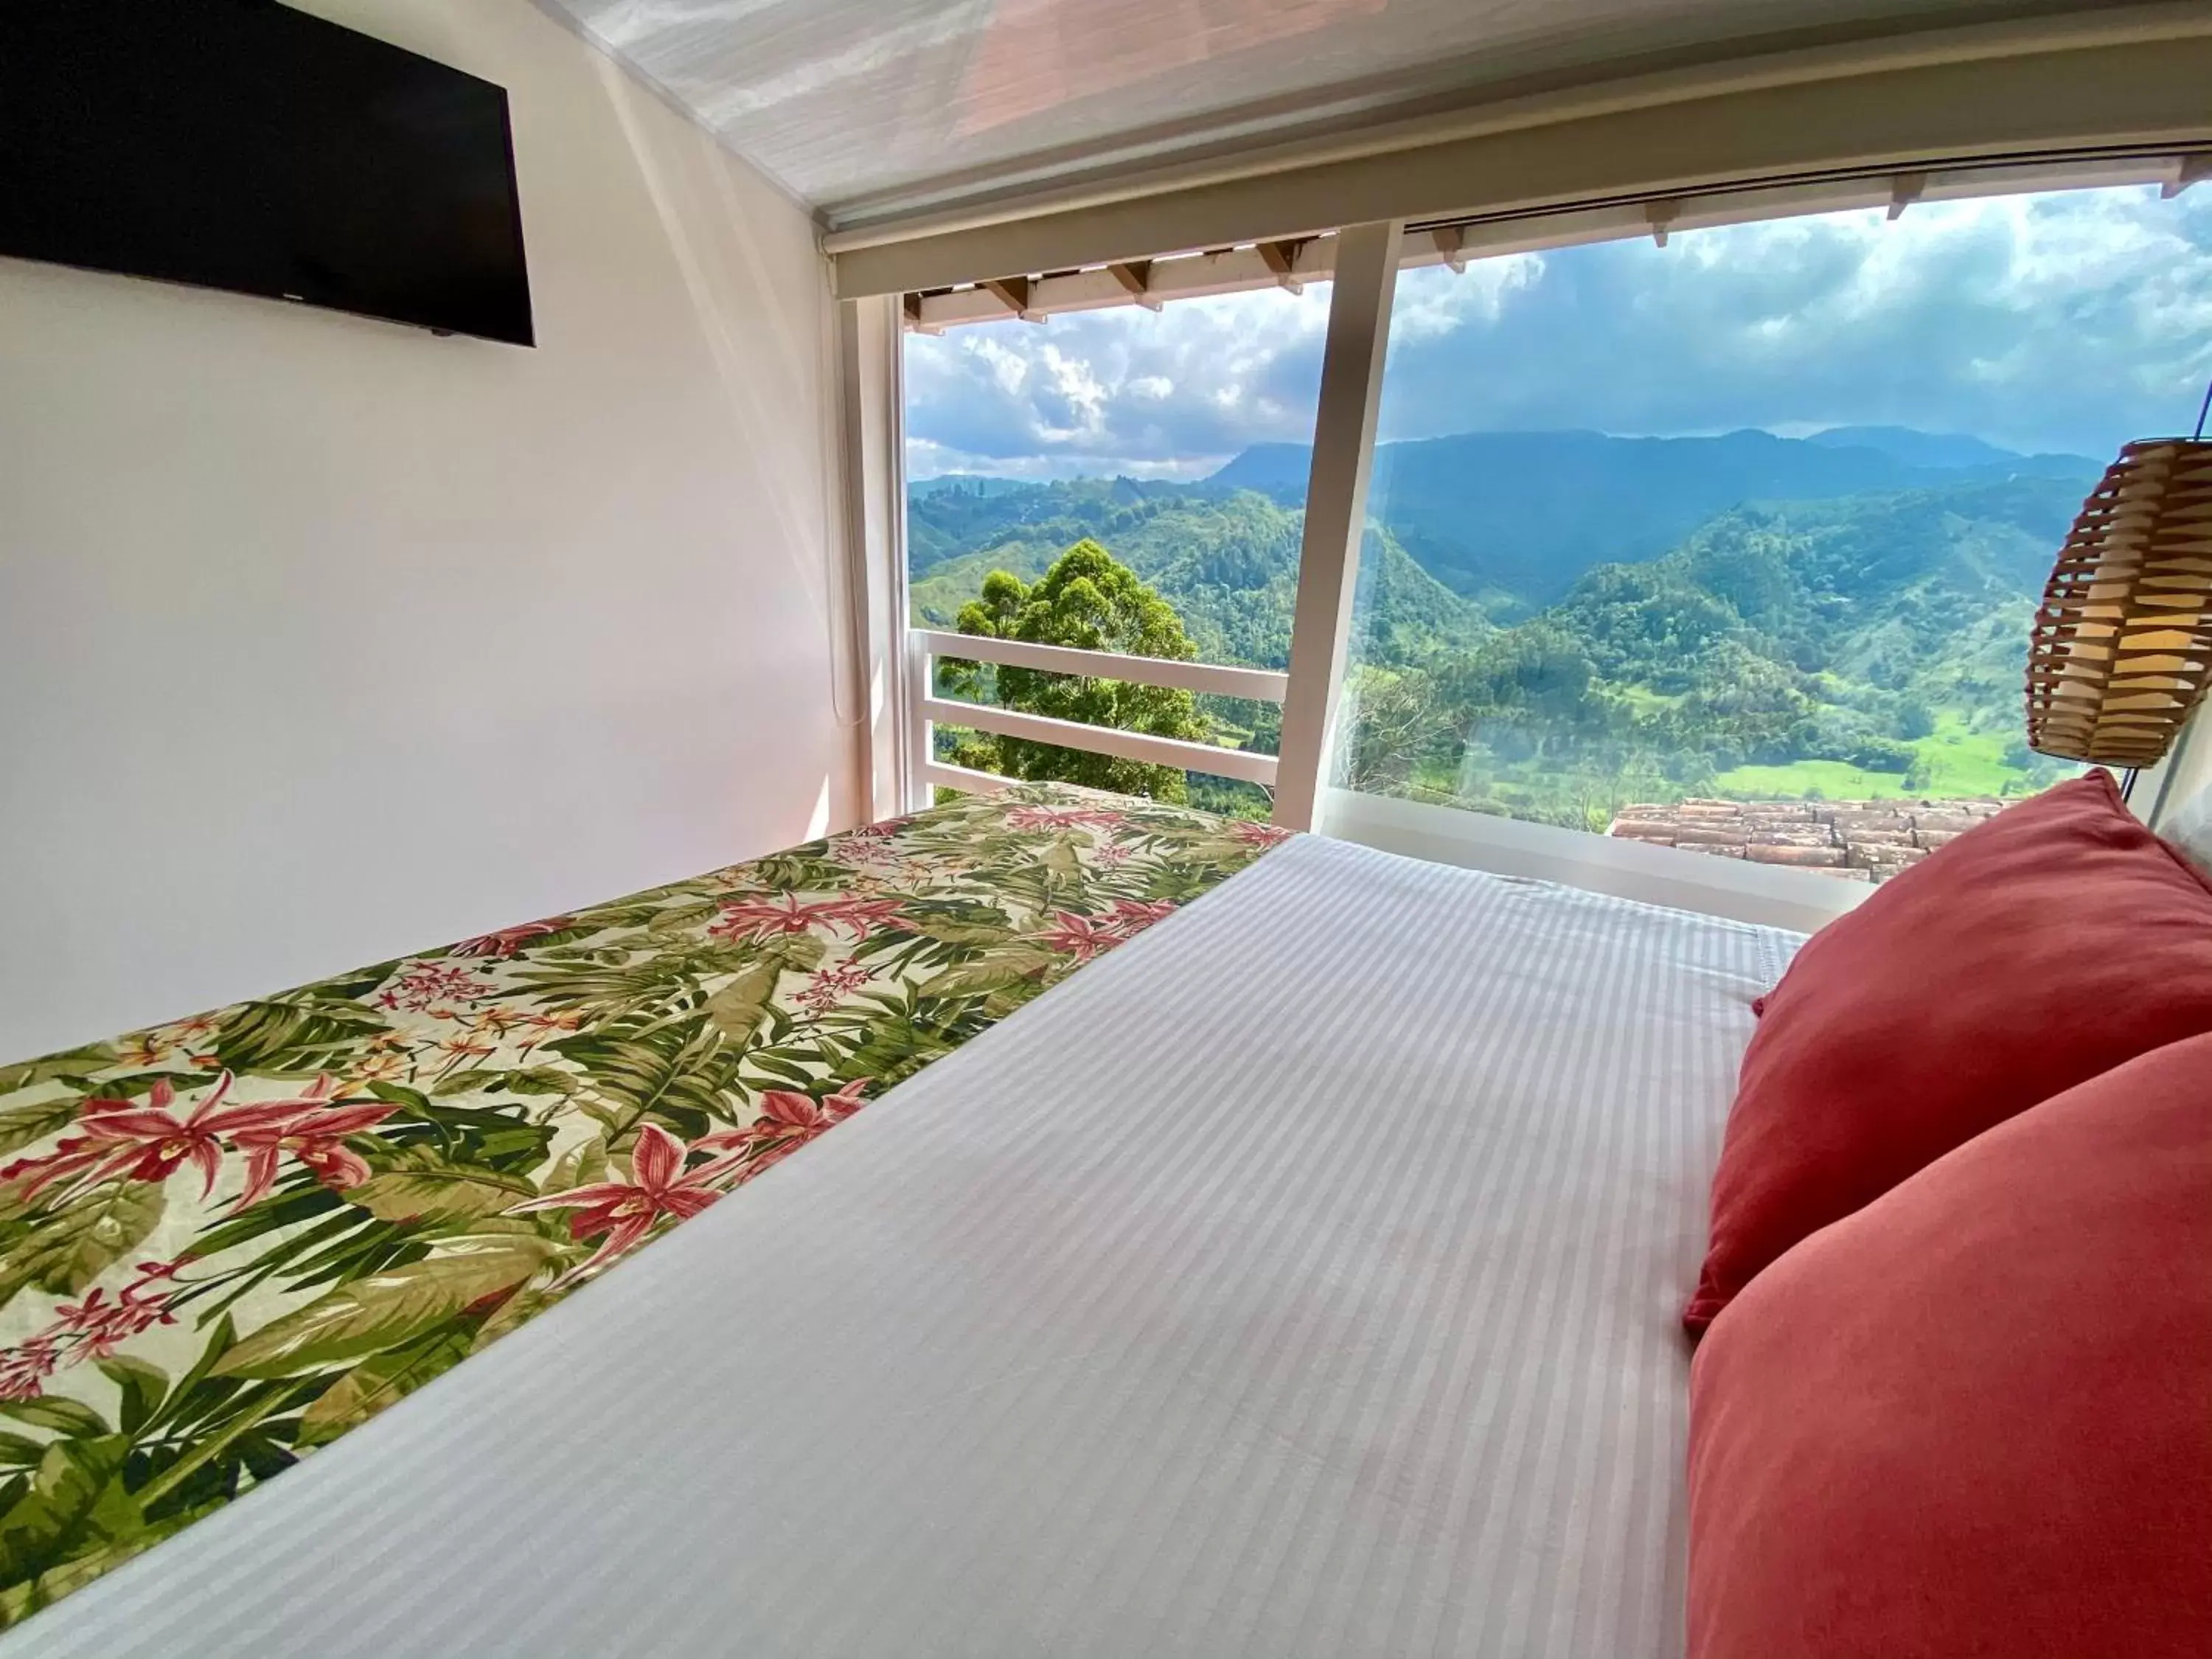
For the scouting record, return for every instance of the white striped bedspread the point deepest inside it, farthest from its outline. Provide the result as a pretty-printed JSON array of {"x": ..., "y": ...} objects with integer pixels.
[{"x": 1300, "y": 1279}]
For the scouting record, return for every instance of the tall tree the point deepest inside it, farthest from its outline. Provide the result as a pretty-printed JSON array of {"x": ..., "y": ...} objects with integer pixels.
[{"x": 1090, "y": 600}]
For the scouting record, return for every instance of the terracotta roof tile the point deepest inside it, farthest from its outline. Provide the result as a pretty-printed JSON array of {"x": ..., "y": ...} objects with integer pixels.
[{"x": 1855, "y": 840}]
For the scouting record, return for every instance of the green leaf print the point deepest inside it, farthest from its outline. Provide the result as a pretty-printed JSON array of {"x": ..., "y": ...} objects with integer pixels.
[
  {"x": 383, "y": 1126},
  {"x": 738, "y": 1008},
  {"x": 58, "y": 1413},
  {"x": 378, "y": 1381},
  {"x": 75, "y": 1063},
  {"x": 35, "y": 1120},
  {"x": 75, "y": 1496},
  {"x": 438, "y": 1195},
  {"x": 993, "y": 972},
  {"x": 143, "y": 1387},
  {"x": 262, "y": 1036},
  {"x": 387, "y": 1309},
  {"x": 74, "y": 1244},
  {"x": 956, "y": 923},
  {"x": 681, "y": 1069}
]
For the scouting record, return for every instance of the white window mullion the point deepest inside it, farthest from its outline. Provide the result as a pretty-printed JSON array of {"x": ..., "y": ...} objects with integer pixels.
[
  {"x": 1336, "y": 510},
  {"x": 870, "y": 353}
]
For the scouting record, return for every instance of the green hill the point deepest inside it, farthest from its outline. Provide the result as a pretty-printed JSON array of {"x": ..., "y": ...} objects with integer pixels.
[
  {"x": 1870, "y": 646},
  {"x": 1639, "y": 619},
  {"x": 1511, "y": 519},
  {"x": 1227, "y": 559}
]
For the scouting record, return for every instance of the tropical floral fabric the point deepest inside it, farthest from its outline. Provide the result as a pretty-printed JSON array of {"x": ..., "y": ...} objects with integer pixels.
[{"x": 228, "y": 1241}]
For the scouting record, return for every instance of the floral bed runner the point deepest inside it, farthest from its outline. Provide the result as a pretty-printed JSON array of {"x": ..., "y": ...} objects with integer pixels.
[{"x": 226, "y": 1242}]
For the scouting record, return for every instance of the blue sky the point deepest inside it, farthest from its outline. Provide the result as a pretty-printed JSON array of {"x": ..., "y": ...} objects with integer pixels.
[{"x": 2067, "y": 321}]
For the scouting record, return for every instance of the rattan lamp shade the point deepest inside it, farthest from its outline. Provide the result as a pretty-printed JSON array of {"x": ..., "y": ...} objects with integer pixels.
[{"x": 2123, "y": 645}]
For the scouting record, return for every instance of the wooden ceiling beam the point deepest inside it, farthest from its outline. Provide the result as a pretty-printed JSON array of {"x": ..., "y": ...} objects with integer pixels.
[
  {"x": 1282, "y": 259},
  {"x": 1013, "y": 293},
  {"x": 914, "y": 320},
  {"x": 1136, "y": 275}
]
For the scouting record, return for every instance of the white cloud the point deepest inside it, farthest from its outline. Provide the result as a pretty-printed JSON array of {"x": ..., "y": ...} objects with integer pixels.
[
  {"x": 1151, "y": 394},
  {"x": 928, "y": 460},
  {"x": 1477, "y": 296},
  {"x": 2063, "y": 321}
]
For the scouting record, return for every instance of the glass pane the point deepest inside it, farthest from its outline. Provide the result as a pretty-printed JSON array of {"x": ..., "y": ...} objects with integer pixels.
[
  {"x": 1733, "y": 545},
  {"x": 1123, "y": 480}
]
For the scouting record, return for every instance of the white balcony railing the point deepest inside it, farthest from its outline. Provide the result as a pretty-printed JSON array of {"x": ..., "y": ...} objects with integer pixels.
[{"x": 930, "y": 710}]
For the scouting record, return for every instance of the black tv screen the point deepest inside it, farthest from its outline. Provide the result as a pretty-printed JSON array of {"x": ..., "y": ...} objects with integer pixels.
[{"x": 239, "y": 144}]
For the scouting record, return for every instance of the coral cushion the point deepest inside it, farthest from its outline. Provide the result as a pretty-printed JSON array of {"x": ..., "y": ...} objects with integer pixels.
[
  {"x": 1975, "y": 1418},
  {"x": 2056, "y": 940}
]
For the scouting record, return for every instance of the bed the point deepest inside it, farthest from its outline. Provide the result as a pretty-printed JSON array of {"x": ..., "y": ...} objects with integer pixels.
[{"x": 1300, "y": 1276}]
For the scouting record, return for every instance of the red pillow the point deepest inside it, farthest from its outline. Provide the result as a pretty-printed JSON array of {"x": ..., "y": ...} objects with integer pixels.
[
  {"x": 1975, "y": 1418},
  {"x": 2058, "y": 940}
]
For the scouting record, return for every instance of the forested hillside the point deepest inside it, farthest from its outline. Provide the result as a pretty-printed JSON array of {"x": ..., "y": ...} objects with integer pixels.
[
  {"x": 1555, "y": 623},
  {"x": 1868, "y": 646},
  {"x": 1226, "y": 558},
  {"x": 1511, "y": 519}
]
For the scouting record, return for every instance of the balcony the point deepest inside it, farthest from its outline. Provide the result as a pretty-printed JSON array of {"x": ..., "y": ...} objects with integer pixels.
[{"x": 927, "y": 648}]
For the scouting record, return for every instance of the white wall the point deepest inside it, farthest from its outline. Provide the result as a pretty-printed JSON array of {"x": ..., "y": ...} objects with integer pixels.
[{"x": 322, "y": 640}]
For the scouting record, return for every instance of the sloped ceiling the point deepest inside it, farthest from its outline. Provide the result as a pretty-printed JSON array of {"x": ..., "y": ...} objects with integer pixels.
[{"x": 866, "y": 108}]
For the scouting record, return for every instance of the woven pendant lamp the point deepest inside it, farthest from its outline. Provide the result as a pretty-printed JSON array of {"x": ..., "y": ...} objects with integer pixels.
[{"x": 2122, "y": 647}]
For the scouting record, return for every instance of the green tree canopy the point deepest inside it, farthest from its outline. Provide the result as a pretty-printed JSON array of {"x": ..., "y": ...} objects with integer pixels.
[{"x": 1090, "y": 600}]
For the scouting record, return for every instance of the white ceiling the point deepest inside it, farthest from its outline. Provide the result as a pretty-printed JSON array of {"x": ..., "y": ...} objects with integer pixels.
[{"x": 866, "y": 108}]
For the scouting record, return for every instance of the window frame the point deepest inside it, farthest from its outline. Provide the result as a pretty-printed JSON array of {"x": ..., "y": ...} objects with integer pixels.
[{"x": 1362, "y": 262}]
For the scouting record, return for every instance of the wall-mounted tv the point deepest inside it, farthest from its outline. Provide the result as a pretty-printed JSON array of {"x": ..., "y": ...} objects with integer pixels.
[{"x": 240, "y": 144}]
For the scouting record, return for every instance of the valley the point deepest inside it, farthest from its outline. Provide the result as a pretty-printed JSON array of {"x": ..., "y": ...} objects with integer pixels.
[{"x": 1551, "y": 625}]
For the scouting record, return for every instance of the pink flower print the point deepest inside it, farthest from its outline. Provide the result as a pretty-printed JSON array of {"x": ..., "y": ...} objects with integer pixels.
[
  {"x": 1063, "y": 817},
  {"x": 829, "y": 987},
  {"x": 537, "y": 1028},
  {"x": 507, "y": 940},
  {"x": 148, "y": 1142},
  {"x": 188, "y": 1037},
  {"x": 433, "y": 987},
  {"x": 1127, "y": 918},
  {"x": 621, "y": 1213},
  {"x": 788, "y": 1120},
  {"x": 91, "y": 1329},
  {"x": 316, "y": 1138},
  {"x": 762, "y": 918},
  {"x": 97, "y": 1327},
  {"x": 1079, "y": 936},
  {"x": 379, "y": 1064},
  {"x": 1084, "y": 937},
  {"x": 24, "y": 1368},
  {"x": 870, "y": 844}
]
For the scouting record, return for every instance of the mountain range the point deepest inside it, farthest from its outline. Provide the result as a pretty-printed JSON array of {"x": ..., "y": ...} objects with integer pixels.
[
  {"x": 1743, "y": 613},
  {"x": 1511, "y": 519}
]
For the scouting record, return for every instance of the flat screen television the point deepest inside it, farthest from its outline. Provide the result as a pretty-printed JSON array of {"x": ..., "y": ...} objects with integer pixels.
[{"x": 240, "y": 144}]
